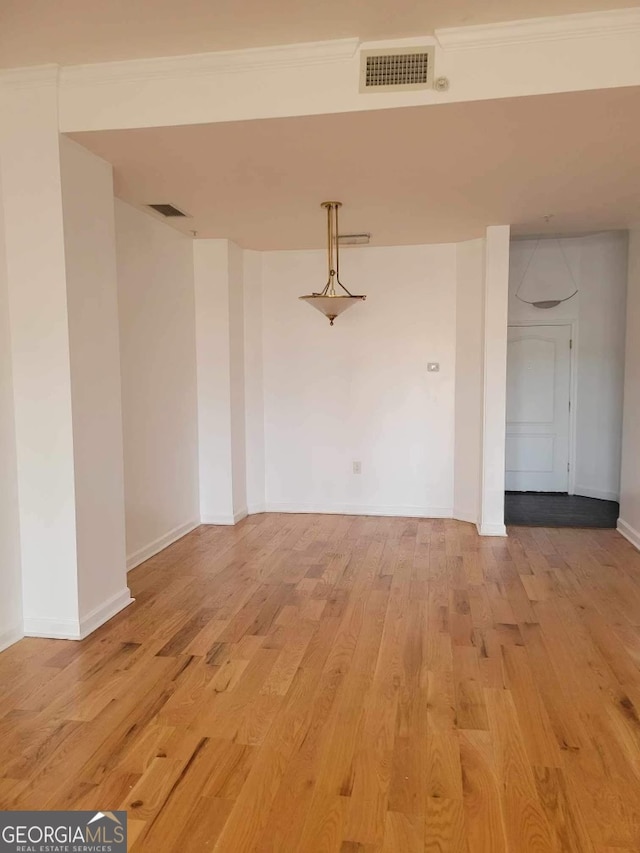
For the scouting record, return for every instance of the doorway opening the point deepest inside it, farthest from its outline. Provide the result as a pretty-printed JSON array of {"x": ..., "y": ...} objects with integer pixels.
[
  {"x": 565, "y": 375},
  {"x": 541, "y": 432}
]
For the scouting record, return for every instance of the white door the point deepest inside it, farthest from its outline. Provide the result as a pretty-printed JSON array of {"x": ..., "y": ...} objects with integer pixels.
[{"x": 538, "y": 388}]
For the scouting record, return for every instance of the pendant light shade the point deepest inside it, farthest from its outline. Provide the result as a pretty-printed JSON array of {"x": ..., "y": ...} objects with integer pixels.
[
  {"x": 328, "y": 301},
  {"x": 548, "y": 280}
]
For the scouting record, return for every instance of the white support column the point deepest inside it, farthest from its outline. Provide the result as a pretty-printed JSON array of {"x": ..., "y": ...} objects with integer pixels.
[
  {"x": 496, "y": 294},
  {"x": 470, "y": 258},
  {"x": 96, "y": 395},
  {"x": 57, "y": 326},
  {"x": 237, "y": 376},
  {"x": 254, "y": 387},
  {"x": 11, "y": 628},
  {"x": 218, "y": 275},
  {"x": 36, "y": 272}
]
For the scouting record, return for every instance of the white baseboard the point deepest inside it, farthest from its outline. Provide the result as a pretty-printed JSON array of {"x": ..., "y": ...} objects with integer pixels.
[
  {"x": 101, "y": 614},
  {"x": 256, "y": 509},
  {"x": 226, "y": 518},
  {"x": 160, "y": 544},
  {"x": 586, "y": 492},
  {"x": 73, "y": 629},
  {"x": 11, "y": 636},
  {"x": 53, "y": 629},
  {"x": 629, "y": 533},
  {"x": 362, "y": 509},
  {"x": 218, "y": 519},
  {"x": 491, "y": 529},
  {"x": 465, "y": 515}
]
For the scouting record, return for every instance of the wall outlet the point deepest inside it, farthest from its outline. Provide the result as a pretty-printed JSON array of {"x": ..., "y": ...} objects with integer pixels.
[
  {"x": 433, "y": 367},
  {"x": 357, "y": 467}
]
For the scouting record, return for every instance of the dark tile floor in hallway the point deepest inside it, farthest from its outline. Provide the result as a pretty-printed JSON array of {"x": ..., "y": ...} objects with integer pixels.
[{"x": 553, "y": 509}]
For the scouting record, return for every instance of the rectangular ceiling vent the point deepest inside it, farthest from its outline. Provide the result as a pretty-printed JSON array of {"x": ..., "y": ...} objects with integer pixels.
[
  {"x": 167, "y": 210},
  {"x": 399, "y": 70}
]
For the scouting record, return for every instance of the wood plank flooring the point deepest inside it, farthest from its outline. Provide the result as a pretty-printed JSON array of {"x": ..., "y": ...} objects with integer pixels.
[{"x": 358, "y": 685}]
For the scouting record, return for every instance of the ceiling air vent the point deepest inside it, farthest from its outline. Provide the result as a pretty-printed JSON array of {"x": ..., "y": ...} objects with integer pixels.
[
  {"x": 167, "y": 210},
  {"x": 398, "y": 70}
]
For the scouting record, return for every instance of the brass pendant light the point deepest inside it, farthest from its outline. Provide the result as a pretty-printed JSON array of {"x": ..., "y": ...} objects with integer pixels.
[{"x": 328, "y": 301}]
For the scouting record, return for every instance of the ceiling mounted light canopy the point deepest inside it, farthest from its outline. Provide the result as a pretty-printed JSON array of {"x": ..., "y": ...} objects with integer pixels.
[
  {"x": 328, "y": 301},
  {"x": 549, "y": 282}
]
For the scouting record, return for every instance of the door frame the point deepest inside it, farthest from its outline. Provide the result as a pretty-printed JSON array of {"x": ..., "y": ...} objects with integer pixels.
[{"x": 573, "y": 388}]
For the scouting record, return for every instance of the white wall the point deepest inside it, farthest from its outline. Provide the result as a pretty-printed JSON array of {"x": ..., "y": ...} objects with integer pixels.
[
  {"x": 11, "y": 627},
  {"x": 159, "y": 398},
  {"x": 598, "y": 264},
  {"x": 601, "y": 359},
  {"x": 92, "y": 300},
  {"x": 469, "y": 378},
  {"x": 360, "y": 391},
  {"x": 629, "y": 521}
]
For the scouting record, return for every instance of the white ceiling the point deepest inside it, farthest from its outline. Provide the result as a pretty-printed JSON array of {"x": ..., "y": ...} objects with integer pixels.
[
  {"x": 67, "y": 32},
  {"x": 411, "y": 175}
]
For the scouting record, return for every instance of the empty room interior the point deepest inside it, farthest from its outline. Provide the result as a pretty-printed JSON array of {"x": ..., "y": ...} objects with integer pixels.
[{"x": 320, "y": 426}]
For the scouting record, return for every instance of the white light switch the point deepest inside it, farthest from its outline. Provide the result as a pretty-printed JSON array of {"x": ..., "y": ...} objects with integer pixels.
[{"x": 433, "y": 367}]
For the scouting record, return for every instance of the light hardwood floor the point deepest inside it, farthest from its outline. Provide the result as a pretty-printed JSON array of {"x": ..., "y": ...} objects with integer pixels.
[{"x": 331, "y": 683}]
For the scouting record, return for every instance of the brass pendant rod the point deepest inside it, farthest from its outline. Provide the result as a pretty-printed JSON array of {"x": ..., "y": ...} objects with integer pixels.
[
  {"x": 330, "y": 287},
  {"x": 332, "y": 244},
  {"x": 336, "y": 252},
  {"x": 333, "y": 250}
]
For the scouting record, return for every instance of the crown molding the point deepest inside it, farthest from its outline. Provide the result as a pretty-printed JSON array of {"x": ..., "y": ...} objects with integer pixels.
[
  {"x": 31, "y": 76},
  {"x": 204, "y": 64},
  {"x": 389, "y": 44},
  {"x": 582, "y": 25}
]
